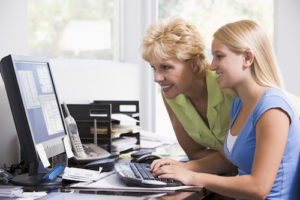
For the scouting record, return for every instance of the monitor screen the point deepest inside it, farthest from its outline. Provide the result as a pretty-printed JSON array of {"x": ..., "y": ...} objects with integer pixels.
[
  {"x": 34, "y": 104},
  {"x": 40, "y": 103}
]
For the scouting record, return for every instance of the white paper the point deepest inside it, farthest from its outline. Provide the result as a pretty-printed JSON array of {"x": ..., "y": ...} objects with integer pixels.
[
  {"x": 10, "y": 191},
  {"x": 150, "y": 144},
  {"x": 152, "y": 136},
  {"x": 31, "y": 195},
  {"x": 123, "y": 118},
  {"x": 68, "y": 147},
  {"x": 78, "y": 174},
  {"x": 114, "y": 183},
  {"x": 42, "y": 154}
]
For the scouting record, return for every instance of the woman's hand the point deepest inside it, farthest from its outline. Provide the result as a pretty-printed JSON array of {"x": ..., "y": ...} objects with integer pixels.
[
  {"x": 176, "y": 172},
  {"x": 165, "y": 161}
]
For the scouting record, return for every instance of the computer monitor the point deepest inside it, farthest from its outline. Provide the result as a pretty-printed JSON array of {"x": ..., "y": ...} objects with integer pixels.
[{"x": 36, "y": 111}]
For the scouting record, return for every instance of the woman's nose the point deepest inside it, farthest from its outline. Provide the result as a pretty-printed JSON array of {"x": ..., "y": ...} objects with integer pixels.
[{"x": 158, "y": 77}]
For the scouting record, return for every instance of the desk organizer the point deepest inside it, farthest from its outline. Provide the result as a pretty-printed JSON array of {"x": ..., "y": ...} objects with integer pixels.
[{"x": 98, "y": 115}]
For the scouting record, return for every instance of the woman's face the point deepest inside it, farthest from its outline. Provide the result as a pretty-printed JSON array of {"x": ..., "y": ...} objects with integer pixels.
[
  {"x": 174, "y": 76},
  {"x": 227, "y": 64}
]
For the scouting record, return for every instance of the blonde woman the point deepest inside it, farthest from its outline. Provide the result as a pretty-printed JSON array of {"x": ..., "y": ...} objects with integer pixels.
[
  {"x": 263, "y": 139},
  {"x": 197, "y": 107}
]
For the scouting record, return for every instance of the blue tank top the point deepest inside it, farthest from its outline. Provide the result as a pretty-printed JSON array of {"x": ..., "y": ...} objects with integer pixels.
[{"x": 287, "y": 182}]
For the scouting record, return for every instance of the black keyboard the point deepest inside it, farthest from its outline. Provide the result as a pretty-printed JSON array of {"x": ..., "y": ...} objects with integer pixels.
[{"x": 138, "y": 174}]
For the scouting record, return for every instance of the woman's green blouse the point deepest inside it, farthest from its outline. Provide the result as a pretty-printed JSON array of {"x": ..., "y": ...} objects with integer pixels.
[{"x": 219, "y": 103}]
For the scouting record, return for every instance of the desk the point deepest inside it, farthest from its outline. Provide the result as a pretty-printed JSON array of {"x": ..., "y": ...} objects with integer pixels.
[
  {"x": 130, "y": 195},
  {"x": 167, "y": 151},
  {"x": 86, "y": 194},
  {"x": 95, "y": 195},
  {"x": 112, "y": 196}
]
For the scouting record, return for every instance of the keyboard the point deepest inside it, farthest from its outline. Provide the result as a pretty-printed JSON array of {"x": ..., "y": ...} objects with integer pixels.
[{"x": 138, "y": 174}]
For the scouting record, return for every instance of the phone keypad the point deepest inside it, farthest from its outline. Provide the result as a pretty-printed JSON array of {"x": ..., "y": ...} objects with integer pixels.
[{"x": 77, "y": 144}]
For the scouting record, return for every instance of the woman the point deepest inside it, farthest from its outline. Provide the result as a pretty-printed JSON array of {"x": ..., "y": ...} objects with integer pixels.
[
  {"x": 263, "y": 139},
  {"x": 197, "y": 107}
]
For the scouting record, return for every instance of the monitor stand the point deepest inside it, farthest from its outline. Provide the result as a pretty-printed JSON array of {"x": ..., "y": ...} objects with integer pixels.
[{"x": 34, "y": 178}]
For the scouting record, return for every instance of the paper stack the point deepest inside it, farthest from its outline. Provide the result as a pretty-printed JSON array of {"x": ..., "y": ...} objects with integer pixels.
[
  {"x": 10, "y": 191},
  {"x": 77, "y": 174}
]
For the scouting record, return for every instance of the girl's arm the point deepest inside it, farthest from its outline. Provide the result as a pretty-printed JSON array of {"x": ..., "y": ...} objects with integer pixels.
[{"x": 271, "y": 135}]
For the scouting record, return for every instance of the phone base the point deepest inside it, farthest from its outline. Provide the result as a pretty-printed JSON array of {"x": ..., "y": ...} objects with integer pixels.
[{"x": 28, "y": 180}]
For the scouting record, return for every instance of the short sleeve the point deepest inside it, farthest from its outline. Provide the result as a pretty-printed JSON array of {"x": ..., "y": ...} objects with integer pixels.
[{"x": 272, "y": 101}]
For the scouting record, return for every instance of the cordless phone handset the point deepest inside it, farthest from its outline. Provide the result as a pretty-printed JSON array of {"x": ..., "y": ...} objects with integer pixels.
[{"x": 73, "y": 134}]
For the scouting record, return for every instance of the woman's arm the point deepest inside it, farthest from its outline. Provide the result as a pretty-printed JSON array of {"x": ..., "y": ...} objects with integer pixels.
[
  {"x": 271, "y": 135},
  {"x": 191, "y": 148}
]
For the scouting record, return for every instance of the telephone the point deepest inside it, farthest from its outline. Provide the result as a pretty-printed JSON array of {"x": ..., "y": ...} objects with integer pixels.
[
  {"x": 5, "y": 177},
  {"x": 83, "y": 152}
]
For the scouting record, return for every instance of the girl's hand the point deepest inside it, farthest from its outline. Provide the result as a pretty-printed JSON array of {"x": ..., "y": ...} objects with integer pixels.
[
  {"x": 161, "y": 162},
  {"x": 176, "y": 172}
]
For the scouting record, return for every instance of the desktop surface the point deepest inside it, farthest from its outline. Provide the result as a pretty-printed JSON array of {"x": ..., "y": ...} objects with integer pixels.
[
  {"x": 109, "y": 189},
  {"x": 87, "y": 195},
  {"x": 65, "y": 192}
]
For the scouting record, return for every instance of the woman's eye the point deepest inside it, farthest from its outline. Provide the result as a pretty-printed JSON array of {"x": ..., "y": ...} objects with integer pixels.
[{"x": 166, "y": 67}]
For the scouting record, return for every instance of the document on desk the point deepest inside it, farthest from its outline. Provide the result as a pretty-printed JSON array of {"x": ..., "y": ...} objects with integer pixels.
[
  {"x": 124, "y": 118},
  {"x": 112, "y": 182}
]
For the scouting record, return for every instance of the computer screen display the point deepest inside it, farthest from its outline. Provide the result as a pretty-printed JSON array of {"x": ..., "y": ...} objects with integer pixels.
[
  {"x": 39, "y": 100},
  {"x": 35, "y": 107}
]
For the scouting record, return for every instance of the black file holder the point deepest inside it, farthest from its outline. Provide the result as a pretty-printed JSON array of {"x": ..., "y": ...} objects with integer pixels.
[{"x": 85, "y": 114}]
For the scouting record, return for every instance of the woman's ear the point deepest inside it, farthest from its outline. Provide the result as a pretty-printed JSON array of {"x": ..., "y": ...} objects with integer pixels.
[
  {"x": 196, "y": 64},
  {"x": 249, "y": 58}
]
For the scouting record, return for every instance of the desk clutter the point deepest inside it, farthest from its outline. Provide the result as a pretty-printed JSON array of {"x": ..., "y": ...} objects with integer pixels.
[
  {"x": 59, "y": 146},
  {"x": 10, "y": 191},
  {"x": 108, "y": 122}
]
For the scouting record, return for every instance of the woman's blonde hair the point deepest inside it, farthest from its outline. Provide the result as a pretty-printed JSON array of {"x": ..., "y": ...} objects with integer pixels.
[
  {"x": 246, "y": 35},
  {"x": 174, "y": 38}
]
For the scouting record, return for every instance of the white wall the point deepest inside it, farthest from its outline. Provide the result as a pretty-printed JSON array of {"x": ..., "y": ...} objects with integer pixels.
[
  {"x": 287, "y": 42},
  {"x": 77, "y": 82},
  {"x": 13, "y": 38},
  {"x": 13, "y": 34}
]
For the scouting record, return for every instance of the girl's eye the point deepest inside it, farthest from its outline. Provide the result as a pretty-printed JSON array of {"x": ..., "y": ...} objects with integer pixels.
[{"x": 219, "y": 56}]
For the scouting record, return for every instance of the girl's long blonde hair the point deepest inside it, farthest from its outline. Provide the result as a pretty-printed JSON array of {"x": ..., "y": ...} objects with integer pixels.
[{"x": 247, "y": 35}]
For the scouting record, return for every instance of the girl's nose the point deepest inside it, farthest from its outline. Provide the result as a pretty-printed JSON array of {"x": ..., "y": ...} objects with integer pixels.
[{"x": 213, "y": 66}]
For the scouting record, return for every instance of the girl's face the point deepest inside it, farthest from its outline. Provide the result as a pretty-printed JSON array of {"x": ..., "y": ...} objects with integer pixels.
[
  {"x": 228, "y": 65},
  {"x": 174, "y": 76}
]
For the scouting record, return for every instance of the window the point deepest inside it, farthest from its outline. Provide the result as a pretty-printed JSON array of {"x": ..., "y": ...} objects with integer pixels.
[
  {"x": 208, "y": 16},
  {"x": 71, "y": 28}
]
